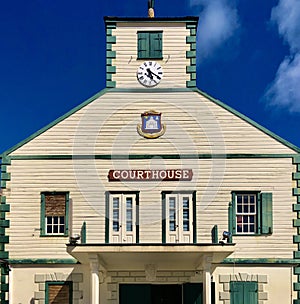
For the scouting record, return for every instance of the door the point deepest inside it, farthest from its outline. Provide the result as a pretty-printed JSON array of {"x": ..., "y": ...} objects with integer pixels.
[
  {"x": 243, "y": 292},
  {"x": 166, "y": 294},
  {"x": 123, "y": 218},
  {"x": 179, "y": 218}
]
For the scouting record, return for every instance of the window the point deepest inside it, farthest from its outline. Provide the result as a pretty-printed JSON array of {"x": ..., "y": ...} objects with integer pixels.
[
  {"x": 243, "y": 292},
  {"x": 250, "y": 213},
  {"x": 150, "y": 45},
  {"x": 58, "y": 292},
  {"x": 179, "y": 223},
  {"x": 54, "y": 213},
  {"x": 122, "y": 217}
]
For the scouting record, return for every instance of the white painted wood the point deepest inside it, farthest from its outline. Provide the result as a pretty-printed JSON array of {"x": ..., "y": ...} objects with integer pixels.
[
  {"x": 194, "y": 125},
  {"x": 174, "y": 60}
]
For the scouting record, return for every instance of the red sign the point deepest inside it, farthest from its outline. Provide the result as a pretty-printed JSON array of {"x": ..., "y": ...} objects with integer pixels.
[{"x": 150, "y": 175}]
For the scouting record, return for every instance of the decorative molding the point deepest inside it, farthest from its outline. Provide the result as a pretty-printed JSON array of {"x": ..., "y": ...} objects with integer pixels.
[
  {"x": 191, "y": 55},
  {"x": 150, "y": 271},
  {"x": 110, "y": 54}
]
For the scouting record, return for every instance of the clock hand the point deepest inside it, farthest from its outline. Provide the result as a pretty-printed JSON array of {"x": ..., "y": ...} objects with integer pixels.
[
  {"x": 158, "y": 77},
  {"x": 149, "y": 74}
]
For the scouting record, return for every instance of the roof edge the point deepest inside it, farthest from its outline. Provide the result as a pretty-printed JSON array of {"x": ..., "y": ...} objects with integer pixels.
[
  {"x": 109, "y": 19},
  {"x": 53, "y": 123},
  {"x": 249, "y": 120}
]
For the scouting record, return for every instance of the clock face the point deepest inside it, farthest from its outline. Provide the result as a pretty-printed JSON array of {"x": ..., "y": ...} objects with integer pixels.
[{"x": 149, "y": 74}]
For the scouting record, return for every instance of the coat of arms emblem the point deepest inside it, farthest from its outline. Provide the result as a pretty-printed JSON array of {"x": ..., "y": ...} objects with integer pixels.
[{"x": 151, "y": 126}]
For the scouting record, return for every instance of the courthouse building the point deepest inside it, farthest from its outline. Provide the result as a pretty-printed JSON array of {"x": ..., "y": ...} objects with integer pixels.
[{"x": 151, "y": 191}]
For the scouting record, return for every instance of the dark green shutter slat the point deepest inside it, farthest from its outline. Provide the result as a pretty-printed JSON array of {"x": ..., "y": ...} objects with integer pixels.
[
  {"x": 155, "y": 45},
  {"x": 266, "y": 213},
  {"x": 250, "y": 293},
  {"x": 236, "y": 293},
  {"x": 143, "y": 45}
]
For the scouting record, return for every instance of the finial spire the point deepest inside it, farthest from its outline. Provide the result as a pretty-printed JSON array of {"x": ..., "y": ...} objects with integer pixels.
[{"x": 151, "y": 8}]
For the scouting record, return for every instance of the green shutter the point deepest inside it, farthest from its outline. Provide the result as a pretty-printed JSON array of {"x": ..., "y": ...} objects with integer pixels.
[
  {"x": 214, "y": 235},
  {"x": 250, "y": 293},
  {"x": 155, "y": 45},
  {"x": 236, "y": 293},
  {"x": 243, "y": 293},
  {"x": 67, "y": 214},
  {"x": 266, "y": 213},
  {"x": 107, "y": 217},
  {"x": 163, "y": 218},
  {"x": 232, "y": 217},
  {"x": 42, "y": 228},
  {"x": 143, "y": 45}
]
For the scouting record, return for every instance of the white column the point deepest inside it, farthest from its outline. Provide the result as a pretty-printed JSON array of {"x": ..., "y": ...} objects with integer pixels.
[
  {"x": 95, "y": 283},
  {"x": 207, "y": 279}
]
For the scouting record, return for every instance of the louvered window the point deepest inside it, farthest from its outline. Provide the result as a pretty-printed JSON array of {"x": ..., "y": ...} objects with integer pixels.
[
  {"x": 54, "y": 213},
  {"x": 150, "y": 45},
  {"x": 58, "y": 292}
]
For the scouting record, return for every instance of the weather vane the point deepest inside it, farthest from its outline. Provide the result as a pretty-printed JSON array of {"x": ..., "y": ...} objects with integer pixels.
[{"x": 151, "y": 8}]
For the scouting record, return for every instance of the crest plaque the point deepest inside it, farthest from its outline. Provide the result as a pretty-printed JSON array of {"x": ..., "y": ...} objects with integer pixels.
[{"x": 151, "y": 126}]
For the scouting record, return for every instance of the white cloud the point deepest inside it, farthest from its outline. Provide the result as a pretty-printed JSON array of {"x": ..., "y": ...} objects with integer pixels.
[
  {"x": 217, "y": 23},
  {"x": 284, "y": 90}
]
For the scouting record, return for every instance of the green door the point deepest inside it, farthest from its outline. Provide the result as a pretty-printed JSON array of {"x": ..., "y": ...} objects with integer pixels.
[
  {"x": 243, "y": 292},
  {"x": 135, "y": 293},
  {"x": 192, "y": 293}
]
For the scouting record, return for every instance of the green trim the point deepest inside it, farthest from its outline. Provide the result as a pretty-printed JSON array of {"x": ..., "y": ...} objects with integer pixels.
[
  {"x": 4, "y": 223},
  {"x": 261, "y": 261},
  {"x": 4, "y": 239},
  {"x": 191, "y": 69},
  {"x": 110, "y": 84},
  {"x": 4, "y": 208},
  {"x": 111, "y": 69},
  {"x": 6, "y": 158},
  {"x": 164, "y": 213},
  {"x": 111, "y": 39},
  {"x": 190, "y": 54},
  {"x": 5, "y": 176},
  {"x": 137, "y": 215},
  {"x": 191, "y": 84},
  {"x": 43, "y": 215},
  {"x": 49, "y": 283},
  {"x": 191, "y": 39},
  {"x": 42, "y": 261},
  {"x": 3, "y": 199},
  {"x": 296, "y": 159},
  {"x": 3, "y": 184},
  {"x": 194, "y": 218},
  {"x": 215, "y": 235},
  {"x": 250, "y": 121},
  {"x": 296, "y": 175},
  {"x": 150, "y": 156},
  {"x": 296, "y": 191},
  {"x": 111, "y": 54},
  {"x": 296, "y": 222},
  {"x": 107, "y": 213}
]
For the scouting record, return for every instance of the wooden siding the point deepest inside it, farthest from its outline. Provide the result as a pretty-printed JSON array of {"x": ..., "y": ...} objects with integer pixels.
[
  {"x": 194, "y": 124},
  {"x": 87, "y": 182},
  {"x": 174, "y": 60}
]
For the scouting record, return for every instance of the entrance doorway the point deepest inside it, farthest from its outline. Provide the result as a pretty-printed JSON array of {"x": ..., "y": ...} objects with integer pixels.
[{"x": 189, "y": 293}]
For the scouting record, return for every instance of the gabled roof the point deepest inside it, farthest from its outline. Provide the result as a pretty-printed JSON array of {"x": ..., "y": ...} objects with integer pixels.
[{"x": 104, "y": 91}]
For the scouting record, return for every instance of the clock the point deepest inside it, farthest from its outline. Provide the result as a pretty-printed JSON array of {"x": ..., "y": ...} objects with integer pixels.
[{"x": 149, "y": 74}]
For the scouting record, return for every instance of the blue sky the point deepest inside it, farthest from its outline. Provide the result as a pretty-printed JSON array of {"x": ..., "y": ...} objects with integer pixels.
[{"x": 53, "y": 58}]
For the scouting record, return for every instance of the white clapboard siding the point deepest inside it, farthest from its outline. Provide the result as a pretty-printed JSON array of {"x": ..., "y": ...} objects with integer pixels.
[
  {"x": 194, "y": 124},
  {"x": 174, "y": 54},
  {"x": 87, "y": 182}
]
